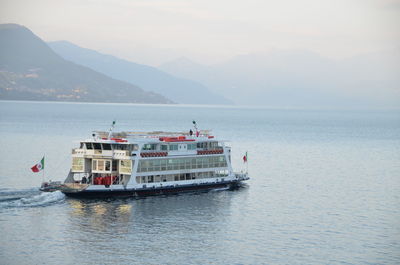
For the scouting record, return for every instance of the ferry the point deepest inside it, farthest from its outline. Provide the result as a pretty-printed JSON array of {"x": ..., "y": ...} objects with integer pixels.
[{"x": 126, "y": 164}]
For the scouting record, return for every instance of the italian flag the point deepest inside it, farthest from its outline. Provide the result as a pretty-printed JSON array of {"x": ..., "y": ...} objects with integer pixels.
[
  {"x": 245, "y": 158},
  {"x": 39, "y": 166}
]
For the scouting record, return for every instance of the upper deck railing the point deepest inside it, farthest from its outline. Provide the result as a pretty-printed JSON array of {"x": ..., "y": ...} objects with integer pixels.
[
  {"x": 98, "y": 152},
  {"x": 153, "y": 134}
]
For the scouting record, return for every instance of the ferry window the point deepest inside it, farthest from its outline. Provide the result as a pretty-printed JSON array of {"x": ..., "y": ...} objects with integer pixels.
[
  {"x": 77, "y": 164},
  {"x": 114, "y": 165},
  {"x": 81, "y": 145},
  {"x": 157, "y": 178},
  {"x": 181, "y": 163},
  {"x": 125, "y": 166},
  {"x": 163, "y": 164},
  {"x": 201, "y": 145},
  {"x": 145, "y": 165},
  {"x": 150, "y": 165},
  {"x": 156, "y": 164},
  {"x": 94, "y": 165},
  {"x": 187, "y": 163},
  {"x": 119, "y": 146},
  {"x": 206, "y": 161},
  {"x": 169, "y": 165},
  {"x": 115, "y": 147},
  {"x": 222, "y": 161},
  {"x": 191, "y": 147},
  {"x": 173, "y": 147},
  {"x": 211, "y": 162},
  {"x": 199, "y": 162},
  {"x": 106, "y": 146},
  {"x": 176, "y": 164},
  {"x": 164, "y": 147},
  {"x": 133, "y": 147},
  {"x": 215, "y": 162},
  {"x": 149, "y": 147},
  {"x": 89, "y": 146},
  {"x": 108, "y": 165},
  {"x": 150, "y": 179},
  {"x": 100, "y": 165},
  {"x": 182, "y": 146},
  {"x": 97, "y": 146}
]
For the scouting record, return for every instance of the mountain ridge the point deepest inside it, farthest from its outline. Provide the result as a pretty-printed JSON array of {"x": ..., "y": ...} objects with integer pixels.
[
  {"x": 30, "y": 70},
  {"x": 180, "y": 90}
]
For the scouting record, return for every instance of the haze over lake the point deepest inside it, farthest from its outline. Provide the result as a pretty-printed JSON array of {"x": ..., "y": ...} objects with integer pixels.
[{"x": 287, "y": 54}]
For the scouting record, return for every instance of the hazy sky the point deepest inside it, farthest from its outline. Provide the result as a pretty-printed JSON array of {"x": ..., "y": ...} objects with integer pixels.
[{"x": 208, "y": 31}]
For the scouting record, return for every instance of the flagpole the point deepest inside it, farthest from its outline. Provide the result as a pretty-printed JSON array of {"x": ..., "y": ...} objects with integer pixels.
[
  {"x": 247, "y": 164},
  {"x": 43, "y": 168}
]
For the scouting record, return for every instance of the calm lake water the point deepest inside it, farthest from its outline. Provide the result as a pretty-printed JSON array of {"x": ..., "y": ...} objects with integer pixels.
[{"x": 324, "y": 189}]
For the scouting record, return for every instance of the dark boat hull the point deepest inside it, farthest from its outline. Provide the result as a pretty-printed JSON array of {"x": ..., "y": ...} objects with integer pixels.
[{"x": 142, "y": 192}]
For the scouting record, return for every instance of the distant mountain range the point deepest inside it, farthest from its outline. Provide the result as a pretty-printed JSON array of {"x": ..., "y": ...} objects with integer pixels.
[
  {"x": 149, "y": 78},
  {"x": 287, "y": 78},
  {"x": 30, "y": 70}
]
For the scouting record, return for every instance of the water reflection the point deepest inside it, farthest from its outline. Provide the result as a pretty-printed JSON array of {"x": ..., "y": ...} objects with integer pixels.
[
  {"x": 146, "y": 224},
  {"x": 100, "y": 216}
]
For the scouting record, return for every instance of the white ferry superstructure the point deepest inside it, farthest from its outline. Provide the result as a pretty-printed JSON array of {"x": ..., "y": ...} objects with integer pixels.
[{"x": 139, "y": 164}]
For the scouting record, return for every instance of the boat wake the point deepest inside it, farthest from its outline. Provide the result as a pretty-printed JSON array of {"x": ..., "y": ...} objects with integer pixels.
[
  {"x": 220, "y": 189},
  {"x": 28, "y": 198}
]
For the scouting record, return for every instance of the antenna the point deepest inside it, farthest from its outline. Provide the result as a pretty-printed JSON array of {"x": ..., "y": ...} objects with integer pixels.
[
  {"x": 111, "y": 129},
  {"x": 195, "y": 127}
]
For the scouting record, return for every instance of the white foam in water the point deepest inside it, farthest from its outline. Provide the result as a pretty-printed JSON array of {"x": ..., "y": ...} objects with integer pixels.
[
  {"x": 220, "y": 189},
  {"x": 41, "y": 199}
]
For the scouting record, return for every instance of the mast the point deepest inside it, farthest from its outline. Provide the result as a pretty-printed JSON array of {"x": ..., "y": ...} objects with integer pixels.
[
  {"x": 195, "y": 127},
  {"x": 111, "y": 129}
]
